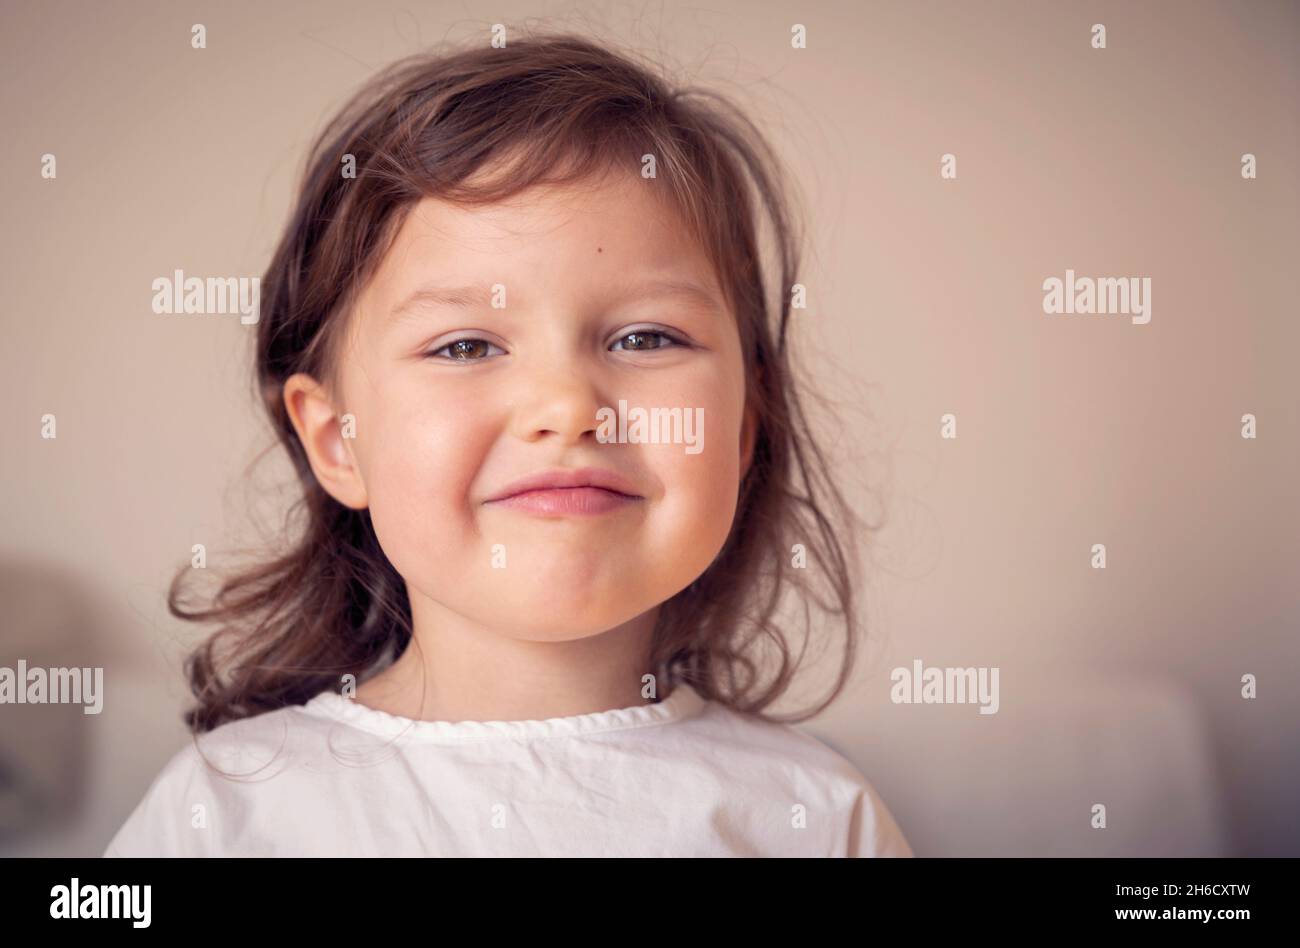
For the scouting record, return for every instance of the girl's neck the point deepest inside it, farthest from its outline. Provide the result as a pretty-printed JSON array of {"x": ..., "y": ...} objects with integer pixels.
[{"x": 454, "y": 670}]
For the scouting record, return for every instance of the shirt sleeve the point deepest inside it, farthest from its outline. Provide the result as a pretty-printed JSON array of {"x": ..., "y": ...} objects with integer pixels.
[
  {"x": 873, "y": 832},
  {"x": 163, "y": 823}
]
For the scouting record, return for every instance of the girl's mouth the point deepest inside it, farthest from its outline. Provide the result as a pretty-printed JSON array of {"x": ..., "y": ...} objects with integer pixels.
[{"x": 567, "y": 501}]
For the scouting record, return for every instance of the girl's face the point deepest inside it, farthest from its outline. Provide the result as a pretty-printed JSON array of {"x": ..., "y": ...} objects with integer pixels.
[{"x": 483, "y": 352}]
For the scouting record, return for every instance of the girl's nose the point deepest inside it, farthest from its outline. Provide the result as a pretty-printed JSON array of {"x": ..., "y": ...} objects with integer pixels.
[{"x": 559, "y": 401}]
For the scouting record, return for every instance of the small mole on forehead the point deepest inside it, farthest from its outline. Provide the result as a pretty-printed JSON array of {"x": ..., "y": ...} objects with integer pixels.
[{"x": 597, "y": 250}]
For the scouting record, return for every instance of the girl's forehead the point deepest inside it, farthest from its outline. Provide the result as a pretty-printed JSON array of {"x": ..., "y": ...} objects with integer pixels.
[
  {"x": 593, "y": 230},
  {"x": 609, "y": 244},
  {"x": 619, "y": 207}
]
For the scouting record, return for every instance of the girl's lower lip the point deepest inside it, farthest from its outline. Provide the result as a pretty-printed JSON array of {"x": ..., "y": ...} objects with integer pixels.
[{"x": 567, "y": 500}]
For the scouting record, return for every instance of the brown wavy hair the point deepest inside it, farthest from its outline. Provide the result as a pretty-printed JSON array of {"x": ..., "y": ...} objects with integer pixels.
[{"x": 548, "y": 109}]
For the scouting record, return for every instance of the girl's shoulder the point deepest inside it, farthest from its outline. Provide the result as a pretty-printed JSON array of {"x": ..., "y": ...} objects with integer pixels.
[
  {"x": 786, "y": 762},
  {"x": 179, "y": 805},
  {"x": 751, "y": 737}
]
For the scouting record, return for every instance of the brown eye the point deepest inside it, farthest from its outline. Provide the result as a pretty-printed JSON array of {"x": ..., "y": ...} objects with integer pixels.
[
  {"x": 645, "y": 340},
  {"x": 465, "y": 350}
]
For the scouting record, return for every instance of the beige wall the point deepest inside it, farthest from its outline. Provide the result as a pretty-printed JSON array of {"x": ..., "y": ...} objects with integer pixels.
[{"x": 1119, "y": 686}]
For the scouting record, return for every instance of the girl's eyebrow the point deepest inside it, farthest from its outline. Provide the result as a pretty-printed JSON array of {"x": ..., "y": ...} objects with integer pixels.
[
  {"x": 431, "y": 295},
  {"x": 478, "y": 293},
  {"x": 682, "y": 289}
]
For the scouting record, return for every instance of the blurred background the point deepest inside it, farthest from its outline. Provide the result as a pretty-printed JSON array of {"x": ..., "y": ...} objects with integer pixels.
[{"x": 1120, "y": 686}]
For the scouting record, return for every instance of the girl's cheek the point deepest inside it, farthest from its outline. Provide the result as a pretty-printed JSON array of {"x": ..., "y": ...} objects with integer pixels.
[
  {"x": 424, "y": 458},
  {"x": 704, "y": 470}
]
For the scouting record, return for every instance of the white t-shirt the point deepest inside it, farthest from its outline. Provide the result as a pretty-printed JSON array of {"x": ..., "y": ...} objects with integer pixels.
[{"x": 681, "y": 777}]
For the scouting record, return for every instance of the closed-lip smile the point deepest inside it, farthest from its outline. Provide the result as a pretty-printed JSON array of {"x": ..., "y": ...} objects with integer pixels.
[{"x": 564, "y": 491}]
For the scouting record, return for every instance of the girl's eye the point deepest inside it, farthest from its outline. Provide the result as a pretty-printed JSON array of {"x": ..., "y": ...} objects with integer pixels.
[
  {"x": 644, "y": 340},
  {"x": 478, "y": 350},
  {"x": 465, "y": 350}
]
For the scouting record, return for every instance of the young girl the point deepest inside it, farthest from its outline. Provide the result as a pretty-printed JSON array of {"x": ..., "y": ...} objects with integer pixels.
[{"x": 518, "y": 344}]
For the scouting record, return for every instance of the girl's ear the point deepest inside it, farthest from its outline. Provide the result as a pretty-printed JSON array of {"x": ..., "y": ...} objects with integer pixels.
[{"x": 321, "y": 434}]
